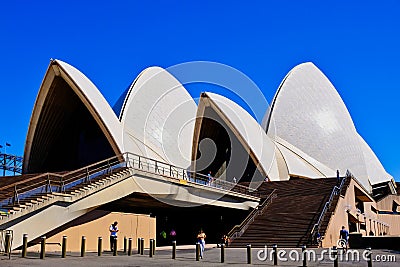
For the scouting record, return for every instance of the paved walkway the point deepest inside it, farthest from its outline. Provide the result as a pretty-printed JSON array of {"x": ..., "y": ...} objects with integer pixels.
[{"x": 186, "y": 257}]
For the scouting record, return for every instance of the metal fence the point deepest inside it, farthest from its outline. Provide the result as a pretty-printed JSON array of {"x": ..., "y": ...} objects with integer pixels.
[{"x": 11, "y": 194}]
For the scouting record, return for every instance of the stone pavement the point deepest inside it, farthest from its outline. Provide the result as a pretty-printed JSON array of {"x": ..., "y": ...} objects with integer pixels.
[{"x": 186, "y": 257}]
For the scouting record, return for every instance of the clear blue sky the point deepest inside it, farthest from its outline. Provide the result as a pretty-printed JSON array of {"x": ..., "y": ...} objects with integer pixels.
[{"x": 355, "y": 43}]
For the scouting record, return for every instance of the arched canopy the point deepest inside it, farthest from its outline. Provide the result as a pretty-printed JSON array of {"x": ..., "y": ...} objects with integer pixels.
[
  {"x": 308, "y": 113},
  {"x": 218, "y": 116},
  {"x": 376, "y": 172},
  {"x": 157, "y": 117},
  {"x": 70, "y": 120},
  {"x": 299, "y": 164}
]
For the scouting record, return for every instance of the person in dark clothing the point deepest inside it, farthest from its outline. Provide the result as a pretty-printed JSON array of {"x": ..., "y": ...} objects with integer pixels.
[{"x": 344, "y": 237}]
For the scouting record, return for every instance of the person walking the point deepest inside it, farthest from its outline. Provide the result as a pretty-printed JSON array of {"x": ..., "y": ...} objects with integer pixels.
[
  {"x": 209, "y": 180},
  {"x": 113, "y": 235},
  {"x": 201, "y": 236},
  {"x": 344, "y": 237},
  {"x": 172, "y": 235}
]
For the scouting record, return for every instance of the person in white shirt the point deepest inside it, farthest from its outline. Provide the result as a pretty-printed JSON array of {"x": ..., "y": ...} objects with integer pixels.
[{"x": 113, "y": 235}]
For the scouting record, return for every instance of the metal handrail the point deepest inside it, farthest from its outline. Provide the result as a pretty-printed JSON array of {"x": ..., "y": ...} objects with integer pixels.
[
  {"x": 29, "y": 179},
  {"x": 336, "y": 190},
  {"x": 183, "y": 175},
  {"x": 52, "y": 182},
  {"x": 238, "y": 230},
  {"x": 13, "y": 196}
]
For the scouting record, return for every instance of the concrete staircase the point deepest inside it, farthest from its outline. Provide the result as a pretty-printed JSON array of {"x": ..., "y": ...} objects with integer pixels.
[
  {"x": 41, "y": 212},
  {"x": 39, "y": 201},
  {"x": 290, "y": 217}
]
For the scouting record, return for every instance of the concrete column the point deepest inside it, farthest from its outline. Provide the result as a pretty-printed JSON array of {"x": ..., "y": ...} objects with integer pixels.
[
  {"x": 99, "y": 246},
  {"x": 248, "y": 254},
  {"x": 24, "y": 245},
  {"x": 83, "y": 246},
  {"x": 173, "y": 249},
  {"x": 64, "y": 247},
  {"x": 129, "y": 246},
  {"x": 43, "y": 247}
]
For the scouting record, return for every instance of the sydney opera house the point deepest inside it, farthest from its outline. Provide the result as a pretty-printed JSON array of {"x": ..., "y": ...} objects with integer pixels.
[{"x": 160, "y": 160}]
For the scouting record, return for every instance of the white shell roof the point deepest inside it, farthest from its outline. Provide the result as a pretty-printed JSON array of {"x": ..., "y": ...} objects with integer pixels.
[
  {"x": 249, "y": 131},
  {"x": 308, "y": 112},
  {"x": 315, "y": 134},
  {"x": 300, "y": 164},
  {"x": 376, "y": 172},
  {"x": 89, "y": 95},
  {"x": 96, "y": 101},
  {"x": 158, "y": 118}
]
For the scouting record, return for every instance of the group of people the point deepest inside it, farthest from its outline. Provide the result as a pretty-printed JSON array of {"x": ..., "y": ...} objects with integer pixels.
[
  {"x": 201, "y": 237},
  {"x": 165, "y": 238}
]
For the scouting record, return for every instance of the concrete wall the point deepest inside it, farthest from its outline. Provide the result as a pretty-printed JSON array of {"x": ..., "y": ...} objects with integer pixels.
[
  {"x": 386, "y": 203},
  {"x": 393, "y": 221},
  {"x": 340, "y": 216},
  {"x": 373, "y": 221},
  {"x": 129, "y": 225}
]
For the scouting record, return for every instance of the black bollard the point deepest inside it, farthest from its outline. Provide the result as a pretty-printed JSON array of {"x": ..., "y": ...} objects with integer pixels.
[
  {"x": 173, "y": 250},
  {"x": 138, "y": 245},
  {"x": 154, "y": 247},
  {"x": 24, "y": 245},
  {"x": 125, "y": 241},
  {"x": 115, "y": 253},
  {"x": 222, "y": 253},
  {"x": 43, "y": 247},
  {"x": 64, "y": 247},
  {"x": 99, "y": 246},
  {"x": 275, "y": 253},
  {"x": 129, "y": 246},
  {"x": 83, "y": 246},
  {"x": 197, "y": 251},
  {"x": 141, "y": 246},
  {"x": 151, "y": 248},
  {"x": 7, "y": 246},
  {"x": 248, "y": 254},
  {"x": 303, "y": 249},
  {"x": 335, "y": 256},
  {"x": 369, "y": 257}
]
